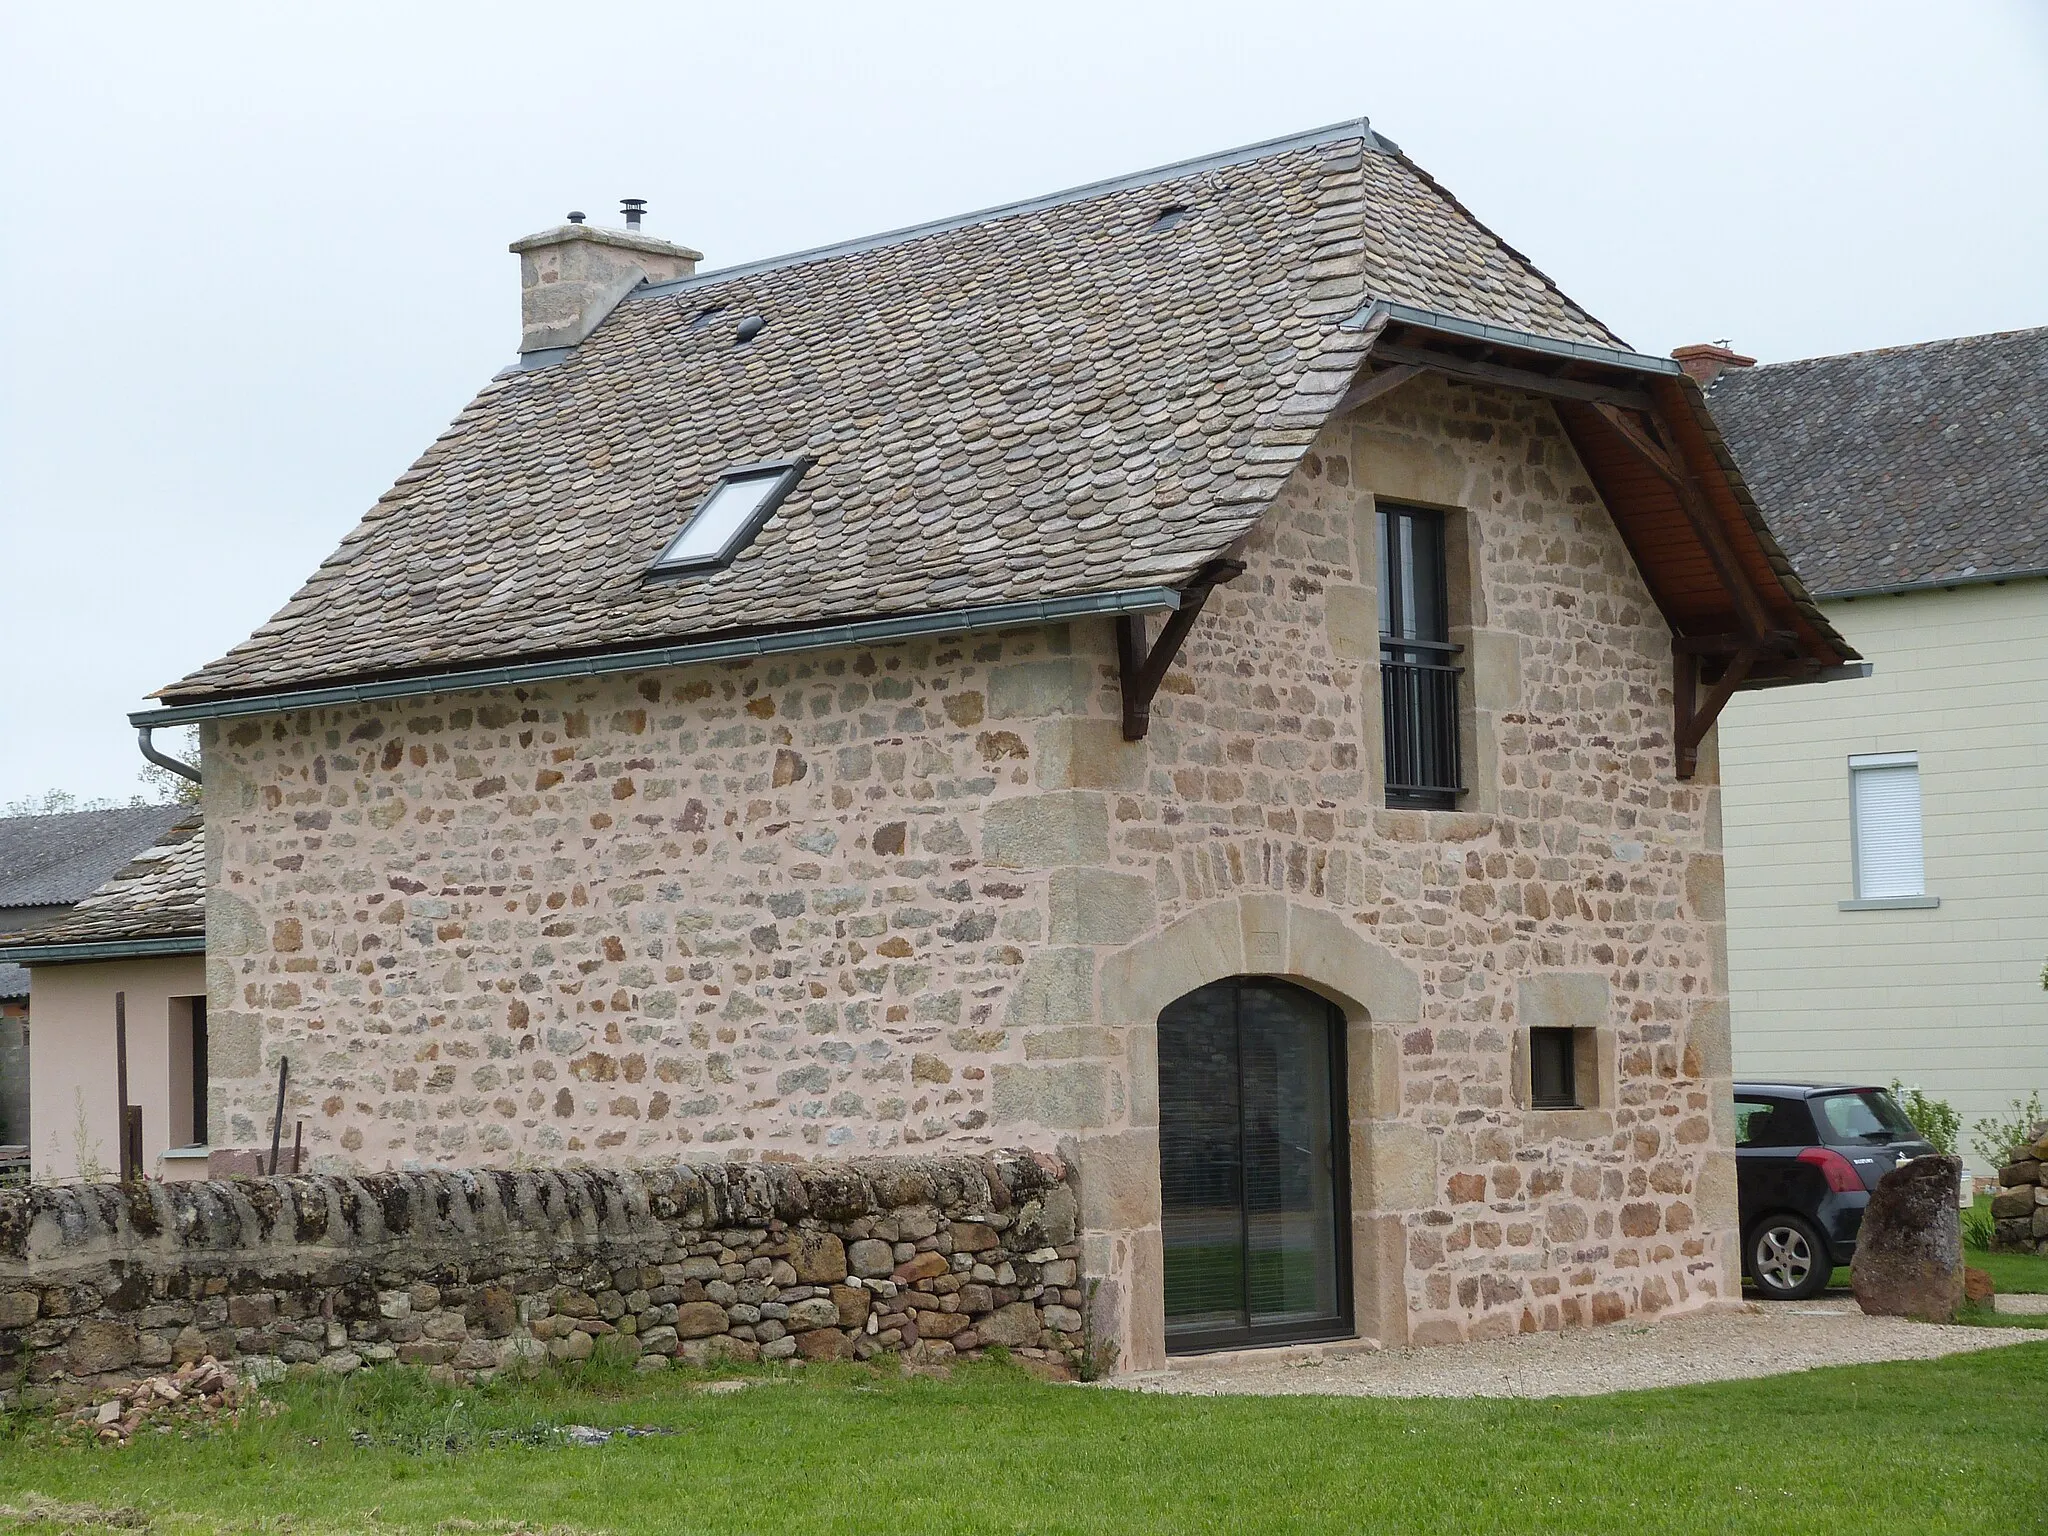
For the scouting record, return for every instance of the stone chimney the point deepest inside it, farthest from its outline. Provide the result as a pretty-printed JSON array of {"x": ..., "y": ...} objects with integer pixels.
[
  {"x": 572, "y": 275},
  {"x": 1707, "y": 361}
]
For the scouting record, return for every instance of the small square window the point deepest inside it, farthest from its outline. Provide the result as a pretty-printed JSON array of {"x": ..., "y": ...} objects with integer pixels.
[
  {"x": 727, "y": 519},
  {"x": 1553, "y": 1069}
]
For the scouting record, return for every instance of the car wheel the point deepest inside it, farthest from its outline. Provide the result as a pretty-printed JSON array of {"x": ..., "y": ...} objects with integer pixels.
[{"x": 1788, "y": 1259}]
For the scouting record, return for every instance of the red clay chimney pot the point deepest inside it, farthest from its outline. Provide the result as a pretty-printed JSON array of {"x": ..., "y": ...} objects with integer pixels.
[{"x": 1706, "y": 361}]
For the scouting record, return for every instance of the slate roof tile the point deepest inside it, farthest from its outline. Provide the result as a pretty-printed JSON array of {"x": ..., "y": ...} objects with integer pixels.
[
  {"x": 159, "y": 894},
  {"x": 1055, "y": 400},
  {"x": 50, "y": 861},
  {"x": 1907, "y": 466}
]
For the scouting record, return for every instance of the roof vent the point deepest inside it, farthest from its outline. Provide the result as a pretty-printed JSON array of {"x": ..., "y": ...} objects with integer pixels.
[
  {"x": 632, "y": 208},
  {"x": 575, "y": 215},
  {"x": 1170, "y": 215},
  {"x": 748, "y": 329},
  {"x": 706, "y": 316}
]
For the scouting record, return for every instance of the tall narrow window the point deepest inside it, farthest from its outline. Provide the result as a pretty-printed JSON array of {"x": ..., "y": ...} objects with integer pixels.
[
  {"x": 1418, "y": 677},
  {"x": 1884, "y": 812}
]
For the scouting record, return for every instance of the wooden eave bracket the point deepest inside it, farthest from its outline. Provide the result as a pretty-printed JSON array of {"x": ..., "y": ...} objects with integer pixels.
[
  {"x": 1140, "y": 669},
  {"x": 1754, "y": 642}
]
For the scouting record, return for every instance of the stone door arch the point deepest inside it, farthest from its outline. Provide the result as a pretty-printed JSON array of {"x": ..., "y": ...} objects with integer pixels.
[{"x": 1261, "y": 935}]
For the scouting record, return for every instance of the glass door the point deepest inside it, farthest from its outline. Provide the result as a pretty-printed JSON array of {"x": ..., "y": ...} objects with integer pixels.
[{"x": 1252, "y": 1159}]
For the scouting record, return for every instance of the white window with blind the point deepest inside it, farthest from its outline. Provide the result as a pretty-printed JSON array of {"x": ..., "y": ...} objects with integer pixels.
[{"x": 1884, "y": 831}]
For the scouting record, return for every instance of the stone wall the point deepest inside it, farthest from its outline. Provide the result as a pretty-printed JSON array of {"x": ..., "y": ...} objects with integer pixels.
[
  {"x": 891, "y": 898},
  {"x": 2019, "y": 1210},
  {"x": 477, "y": 1270}
]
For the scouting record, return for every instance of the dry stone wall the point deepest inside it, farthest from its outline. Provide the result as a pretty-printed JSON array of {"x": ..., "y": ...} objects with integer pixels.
[
  {"x": 869, "y": 901},
  {"x": 472, "y": 1272},
  {"x": 2019, "y": 1209}
]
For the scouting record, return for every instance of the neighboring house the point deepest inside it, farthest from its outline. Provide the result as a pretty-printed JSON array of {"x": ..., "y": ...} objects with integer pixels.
[
  {"x": 142, "y": 937},
  {"x": 1888, "y": 839},
  {"x": 47, "y": 864},
  {"x": 1180, "y": 673}
]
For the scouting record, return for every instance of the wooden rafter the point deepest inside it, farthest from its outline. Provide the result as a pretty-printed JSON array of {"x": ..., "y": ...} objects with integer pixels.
[
  {"x": 1140, "y": 669},
  {"x": 1755, "y": 641}
]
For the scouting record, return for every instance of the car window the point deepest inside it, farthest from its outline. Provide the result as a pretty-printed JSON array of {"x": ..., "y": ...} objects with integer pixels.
[
  {"x": 1868, "y": 1116},
  {"x": 1770, "y": 1123}
]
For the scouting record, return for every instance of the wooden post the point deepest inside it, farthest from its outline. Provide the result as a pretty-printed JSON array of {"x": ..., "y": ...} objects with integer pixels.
[
  {"x": 127, "y": 1160},
  {"x": 284, "y": 1068},
  {"x": 298, "y": 1142}
]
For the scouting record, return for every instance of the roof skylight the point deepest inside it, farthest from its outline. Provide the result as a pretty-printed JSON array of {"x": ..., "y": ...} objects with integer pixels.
[{"x": 727, "y": 519}]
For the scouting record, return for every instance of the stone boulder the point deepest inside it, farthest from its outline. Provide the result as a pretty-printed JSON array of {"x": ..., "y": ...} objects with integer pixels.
[{"x": 1909, "y": 1255}]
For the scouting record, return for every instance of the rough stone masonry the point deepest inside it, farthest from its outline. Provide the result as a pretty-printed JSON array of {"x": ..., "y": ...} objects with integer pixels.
[
  {"x": 924, "y": 896},
  {"x": 931, "y": 1258}
]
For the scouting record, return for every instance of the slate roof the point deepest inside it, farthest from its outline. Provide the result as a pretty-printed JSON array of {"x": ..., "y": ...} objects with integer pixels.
[
  {"x": 159, "y": 894},
  {"x": 55, "y": 860},
  {"x": 1922, "y": 465},
  {"x": 1053, "y": 399}
]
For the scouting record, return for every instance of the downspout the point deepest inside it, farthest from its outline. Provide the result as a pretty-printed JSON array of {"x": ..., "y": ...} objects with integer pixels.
[{"x": 182, "y": 769}]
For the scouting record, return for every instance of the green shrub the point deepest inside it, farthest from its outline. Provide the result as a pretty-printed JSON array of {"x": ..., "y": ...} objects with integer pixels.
[
  {"x": 1936, "y": 1119},
  {"x": 1994, "y": 1137},
  {"x": 1978, "y": 1227}
]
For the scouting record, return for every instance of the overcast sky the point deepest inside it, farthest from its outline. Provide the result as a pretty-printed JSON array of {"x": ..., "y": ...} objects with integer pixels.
[{"x": 254, "y": 255}]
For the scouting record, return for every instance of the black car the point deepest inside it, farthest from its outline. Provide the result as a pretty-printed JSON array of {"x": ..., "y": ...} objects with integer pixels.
[{"x": 1807, "y": 1156}]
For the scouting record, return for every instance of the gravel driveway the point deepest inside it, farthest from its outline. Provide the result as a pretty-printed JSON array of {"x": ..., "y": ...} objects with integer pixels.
[{"x": 1756, "y": 1339}]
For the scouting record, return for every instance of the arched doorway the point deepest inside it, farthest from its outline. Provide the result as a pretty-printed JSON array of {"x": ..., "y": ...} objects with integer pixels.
[{"x": 1253, "y": 1163}]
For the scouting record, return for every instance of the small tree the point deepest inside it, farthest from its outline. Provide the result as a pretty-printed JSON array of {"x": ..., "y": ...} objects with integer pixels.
[
  {"x": 1995, "y": 1137},
  {"x": 1936, "y": 1119}
]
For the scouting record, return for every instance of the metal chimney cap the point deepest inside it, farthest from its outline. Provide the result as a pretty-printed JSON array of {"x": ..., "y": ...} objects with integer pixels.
[
  {"x": 575, "y": 215},
  {"x": 632, "y": 208}
]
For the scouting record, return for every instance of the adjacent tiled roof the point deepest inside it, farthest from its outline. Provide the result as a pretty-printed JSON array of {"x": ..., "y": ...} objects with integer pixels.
[
  {"x": 160, "y": 894},
  {"x": 1050, "y": 400},
  {"x": 1909, "y": 466},
  {"x": 55, "y": 860}
]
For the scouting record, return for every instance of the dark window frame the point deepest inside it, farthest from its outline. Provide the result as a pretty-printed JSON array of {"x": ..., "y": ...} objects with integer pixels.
[
  {"x": 1567, "y": 1094},
  {"x": 1343, "y": 1322},
  {"x": 1422, "y": 718},
  {"x": 787, "y": 472}
]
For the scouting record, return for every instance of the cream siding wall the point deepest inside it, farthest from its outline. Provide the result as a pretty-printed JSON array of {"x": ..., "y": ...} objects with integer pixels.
[{"x": 1950, "y": 998}]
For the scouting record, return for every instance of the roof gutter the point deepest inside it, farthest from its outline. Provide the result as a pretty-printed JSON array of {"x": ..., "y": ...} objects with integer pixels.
[
  {"x": 697, "y": 653},
  {"x": 1934, "y": 584},
  {"x": 1501, "y": 336},
  {"x": 101, "y": 949}
]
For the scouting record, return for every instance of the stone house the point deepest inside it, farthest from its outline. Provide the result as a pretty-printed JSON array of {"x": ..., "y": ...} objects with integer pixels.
[
  {"x": 1210, "y": 674},
  {"x": 1888, "y": 841}
]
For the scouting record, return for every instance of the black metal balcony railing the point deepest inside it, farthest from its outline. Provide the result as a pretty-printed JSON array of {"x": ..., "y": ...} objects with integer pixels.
[{"x": 1419, "y": 699}]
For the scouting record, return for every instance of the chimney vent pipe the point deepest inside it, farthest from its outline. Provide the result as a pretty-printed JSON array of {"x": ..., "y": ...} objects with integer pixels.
[{"x": 632, "y": 208}]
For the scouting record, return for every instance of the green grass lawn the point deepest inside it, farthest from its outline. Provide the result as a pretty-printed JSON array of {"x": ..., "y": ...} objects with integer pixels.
[{"x": 1912, "y": 1446}]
